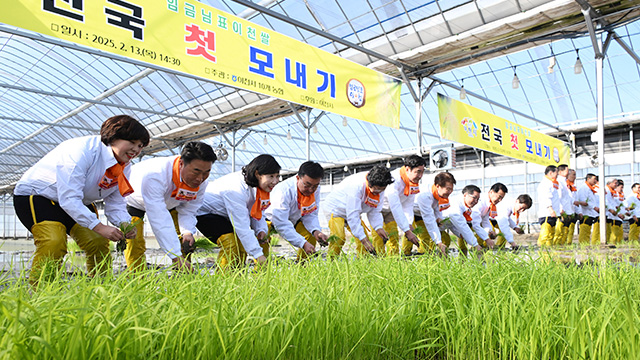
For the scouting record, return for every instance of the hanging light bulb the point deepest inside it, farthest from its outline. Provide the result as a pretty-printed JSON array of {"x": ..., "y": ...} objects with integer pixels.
[
  {"x": 346, "y": 168},
  {"x": 552, "y": 63},
  {"x": 314, "y": 129},
  {"x": 577, "y": 68},
  {"x": 244, "y": 145},
  {"x": 463, "y": 93},
  {"x": 515, "y": 83},
  {"x": 265, "y": 140},
  {"x": 288, "y": 134},
  {"x": 388, "y": 164},
  {"x": 344, "y": 121}
]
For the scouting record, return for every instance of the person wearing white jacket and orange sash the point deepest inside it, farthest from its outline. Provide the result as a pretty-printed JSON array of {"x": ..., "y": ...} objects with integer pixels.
[
  {"x": 633, "y": 206},
  {"x": 588, "y": 200},
  {"x": 169, "y": 190},
  {"x": 614, "y": 199},
  {"x": 548, "y": 205},
  {"x": 397, "y": 208},
  {"x": 357, "y": 194},
  {"x": 294, "y": 209},
  {"x": 487, "y": 207},
  {"x": 430, "y": 205},
  {"x": 508, "y": 217},
  {"x": 232, "y": 214},
  {"x": 463, "y": 220},
  {"x": 55, "y": 196}
]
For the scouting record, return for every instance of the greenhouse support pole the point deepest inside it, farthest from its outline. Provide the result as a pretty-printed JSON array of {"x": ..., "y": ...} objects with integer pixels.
[
  {"x": 483, "y": 172},
  {"x": 418, "y": 101},
  {"x": 526, "y": 188},
  {"x": 307, "y": 129},
  {"x": 633, "y": 155},
  {"x": 4, "y": 216},
  {"x": 233, "y": 150},
  {"x": 600, "y": 110}
]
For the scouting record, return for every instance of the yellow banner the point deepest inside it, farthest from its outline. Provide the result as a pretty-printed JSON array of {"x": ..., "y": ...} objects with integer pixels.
[
  {"x": 197, "y": 39},
  {"x": 468, "y": 125}
]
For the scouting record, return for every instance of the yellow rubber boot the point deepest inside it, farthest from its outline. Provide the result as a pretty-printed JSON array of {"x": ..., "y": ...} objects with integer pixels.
[
  {"x": 557, "y": 233},
  {"x": 570, "y": 232},
  {"x": 377, "y": 242},
  {"x": 232, "y": 253},
  {"x": 134, "y": 253},
  {"x": 50, "y": 238},
  {"x": 501, "y": 241},
  {"x": 584, "y": 234},
  {"x": 608, "y": 237},
  {"x": 407, "y": 245},
  {"x": 634, "y": 232},
  {"x": 595, "y": 233},
  {"x": 547, "y": 233},
  {"x": 617, "y": 234},
  {"x": 393, "y": 246},
  {"x": 462, "y": 245},
  {"x": 302, "y": 230},
  {"x": 96, "y": 247},
  {"x": 336, "y": 227}
]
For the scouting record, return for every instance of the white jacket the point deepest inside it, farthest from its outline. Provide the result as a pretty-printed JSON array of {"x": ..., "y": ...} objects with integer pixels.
[
  {"x": 483, "y": 209},
  {"x": 459, "y": 224},
  {"x": 284, "y": 212},
  {"x": 506, "y": 218},
  {"x": 430, "y": 212},
  {"x": 231, "y": 197},
  {"x": 347, "y": 200},
  {"x": 633, "y": 199},
  {"x": 611, "y": 203},
  {"x": 400, "y": 205},
  {"x": 69, "y": 175},
  {"x": 152, "y": 181},
  {"x": 592, "y": 199},
  {"x": 548, "y": 196},
  {"x": 566, "y": 196}
]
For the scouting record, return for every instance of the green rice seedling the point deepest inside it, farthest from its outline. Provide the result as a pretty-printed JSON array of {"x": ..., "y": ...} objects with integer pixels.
[
  {"x": 445, "y": 222},
  {"x": 125, "y": 228},
  {"x": 333, "y": 238},
  {"x": 204, "y": 243},
  {"x": 419, "y": 230}
]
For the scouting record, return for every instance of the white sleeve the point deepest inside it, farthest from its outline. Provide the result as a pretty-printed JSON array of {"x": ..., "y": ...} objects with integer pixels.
[
  {"x": 239, "y": 216},
  {"x": 505, "y": 227},
  {"x": 375, "y": 218},
  {"x": 153, "y": 190},
  {"x": 545, "y": 196},
  {"x": 71, "y": 175},
  {"x": 187, "y": 211},
  {"x": 459, "y": 222},
  {"x": 310, "y": 221},
  {"x": 429, "y": 217},
  {"x": 395, "y": 205},
  {"x": 280, "y": 218},
  {"x": 477, "y": 226},
  {"x": 115, "y": 208},
  {"x": 353, "y": 209}
]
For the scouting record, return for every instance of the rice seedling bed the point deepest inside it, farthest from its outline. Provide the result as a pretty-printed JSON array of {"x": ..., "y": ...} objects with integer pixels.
[{"x": 508, "y": 306}]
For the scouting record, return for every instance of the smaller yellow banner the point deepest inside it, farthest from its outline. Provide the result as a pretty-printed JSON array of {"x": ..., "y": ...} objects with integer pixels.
[{"x": 471, "y": 126}]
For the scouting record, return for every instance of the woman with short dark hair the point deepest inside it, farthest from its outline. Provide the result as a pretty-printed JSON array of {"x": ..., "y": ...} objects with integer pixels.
[
  {"x": 55, "y": 196},
  {"x": 232, "y": 213}
]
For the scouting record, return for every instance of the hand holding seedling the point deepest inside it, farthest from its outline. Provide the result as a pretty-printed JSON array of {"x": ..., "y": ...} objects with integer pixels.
[
  {"x": 367, "y": 244},
  {"x": 383, "y": 234},
  {"x": 518, "y": 230},
  {"x": 109, "y": 232},
  {"x": 412, "y": 237},
  {"x": 321, "y": 237},
  {"x": 443, "y": 249},
  {"x": 262, "y": 237},
  {"x": 308, "y": 248},
  {"x": 188, "y": 244},
  {"x": 182, "y": 264},
  {"x": 490, "y": 243},
  {"x": 492, "y": 234}
]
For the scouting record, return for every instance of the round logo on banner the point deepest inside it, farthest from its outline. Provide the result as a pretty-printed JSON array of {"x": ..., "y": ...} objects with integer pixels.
[
  {"x": 556, "y": 154},
  {"x": 356, "y": 93}
]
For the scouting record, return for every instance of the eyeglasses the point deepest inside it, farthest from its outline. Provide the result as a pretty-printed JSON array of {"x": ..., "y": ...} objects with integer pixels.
[{"x": 475, "y": 198}]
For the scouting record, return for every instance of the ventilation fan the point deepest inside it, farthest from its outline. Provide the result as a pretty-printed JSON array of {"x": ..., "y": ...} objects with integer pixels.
[{"x": 442, "y": 158}]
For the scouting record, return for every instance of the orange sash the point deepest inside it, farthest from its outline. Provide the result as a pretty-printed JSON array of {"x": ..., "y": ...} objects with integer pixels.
[
  {"x": 410, "y": 187},
  {"x": 115, "y": 176},
  {"x": 621, "y": 196},
  {"x": 182, "y": 190},
  {"x": 614, "y": 194},
  {"x": 371, "y": 199},
  {"x": 467, "y": 214},
  {"x": 593, "y": 188},
  {"x": 517, "y": 218},
  {"x": 571, "y": 186},
  {"x": 261, "y": 204},
  {"x": 493, "y": 210},
  {"x": 555, "y": 182},
  {"x": 306, "y": 204},
  {"x": 443, "y": 204}
]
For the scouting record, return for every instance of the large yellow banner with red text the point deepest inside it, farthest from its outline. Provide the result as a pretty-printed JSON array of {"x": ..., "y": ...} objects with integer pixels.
[
  {"x": 471, "y": 126},
  {"x": 197, "y": 39}
]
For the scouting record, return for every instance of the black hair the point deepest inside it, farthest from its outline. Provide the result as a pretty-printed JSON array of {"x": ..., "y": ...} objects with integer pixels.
[
  {"x": 311, "y": 169},
  {"x": 562, "y": 167},
  {"x": 525, "y": 199},
  {"x": 634, "y": 185},
  {"x": 123, "y": 127},
  {"x": 590, "y": 175},
  {"x": 470, "y": 189},
  {"x": 414, "y": 161},
  {"x": 550, "y": 168},
  {"x": 620, "y": 182},
  {"x": 379, "y": 176},
  {"x": 197, "y": 150},
  {"x": 264, "y": 164},
  {"x": 497, "y": 187},
  {"x": 443, "y": 178}
]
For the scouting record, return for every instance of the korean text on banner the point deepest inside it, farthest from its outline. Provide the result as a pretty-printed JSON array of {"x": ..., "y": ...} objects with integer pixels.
[
  {"x": 471, "y": 126},
  {"x": 196, "y": 39}
]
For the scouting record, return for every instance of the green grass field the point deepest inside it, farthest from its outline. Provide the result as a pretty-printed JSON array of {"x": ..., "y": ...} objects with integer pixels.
[{"x": 390, "y": 308}]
